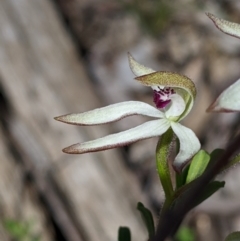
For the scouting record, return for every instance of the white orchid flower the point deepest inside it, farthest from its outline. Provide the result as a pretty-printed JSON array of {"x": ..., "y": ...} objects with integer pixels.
[
  {"x": 174, "y": 95},
  {"x": 229, "y": 99}
]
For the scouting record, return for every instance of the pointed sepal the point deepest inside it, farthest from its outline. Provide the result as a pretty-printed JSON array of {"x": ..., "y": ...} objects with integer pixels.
[
  {"x": 146, "y": 130},
  {"x": 111, "y": 113},
  {"x": 228, "y": 100},
  {"x": 225, "y": 26},
  {"x": 137, "y": 68}
]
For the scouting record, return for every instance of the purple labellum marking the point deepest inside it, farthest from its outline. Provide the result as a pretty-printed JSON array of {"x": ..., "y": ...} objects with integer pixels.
[{"x": 161, "y": 97}]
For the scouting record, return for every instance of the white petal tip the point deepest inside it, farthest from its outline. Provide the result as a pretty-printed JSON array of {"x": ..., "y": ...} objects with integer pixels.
[
  {"x": 137, "y": 68},
  {"x": 225, "y": 26},
  {"x": 228, "y": 100},
  {"x": 210, "y": 15},
  {"x": 189, "y": 146},
  {"x": 214, "y": 107},
  {"x": 63, "y": 118},
  {"x": 58, "y": 118},
  {"x": 130, "y": 57},
  {"x": 85, "y": 147},
  {"x": 81, "y": 149},
  {"x": 222, "y": 108},
  {"x": 178, "y": 167},
  {"x": 179, "y": 164},
  {"x": 131, "y": 60},
  {"x": 132, "y": 64}
]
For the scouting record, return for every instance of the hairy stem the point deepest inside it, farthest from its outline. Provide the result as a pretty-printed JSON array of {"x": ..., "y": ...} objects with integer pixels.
[{"x": 162, "y": 154}]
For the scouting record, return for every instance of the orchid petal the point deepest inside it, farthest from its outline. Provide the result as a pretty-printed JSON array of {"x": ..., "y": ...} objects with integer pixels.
[
  {"x": 228, "y": 101},
  {"x": 149, "y": 129},
  {"x": 138, "y": 69},
  {"x": 189, "y": 145},
  {"x": 111, "y": 113},
  {"x": 176, "y": 107},
  {"x": 227, "y": 27},
  {"x": 180, "y": 83}
]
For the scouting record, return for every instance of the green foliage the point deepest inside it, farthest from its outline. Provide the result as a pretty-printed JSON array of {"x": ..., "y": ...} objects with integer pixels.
[
  {"x": 233, "y": 237},
  {"x": 198, "y": 165},
  {"x": 200, "y": 162},
  {"x": 154, "y": 15},
  {"x": 20, "y": 231},
  {"x": 124, "y": 234},
  {"x": 185, "y": 234},
  {"x": 147, "y": 218},
  {"x": 233, "y": 162},
  {"x": 195, "y": 169},
  {"x": 217, "y": 154},
  {"x": 186, "y": 180},
  {"x": 162, "y": 153},
  {"x": 208, "y": 191},
  {"x": 181, "y": 177}
]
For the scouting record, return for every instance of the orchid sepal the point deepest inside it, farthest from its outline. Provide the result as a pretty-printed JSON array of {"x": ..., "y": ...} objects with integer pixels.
[
  {"x": 147, "y": 130},
  {"x": 225, "y": 26},
  {"x": 228, "y": 100},
  {"x": 111, "y": 113},
  {"x": 137, "y": 68}
]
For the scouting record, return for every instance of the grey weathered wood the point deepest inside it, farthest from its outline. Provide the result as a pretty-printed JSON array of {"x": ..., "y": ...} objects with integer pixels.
[
  {"x": 43, "y": 77},
  {"x": 18, "y": 202}
]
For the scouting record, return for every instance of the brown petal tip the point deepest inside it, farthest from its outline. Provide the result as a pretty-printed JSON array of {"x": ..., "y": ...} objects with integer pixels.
[
  {"x": 72, "y": 149},
  {"x": 59, "y": 118}
]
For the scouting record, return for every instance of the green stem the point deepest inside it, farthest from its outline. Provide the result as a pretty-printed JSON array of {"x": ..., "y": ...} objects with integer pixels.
[
  {"x": 162, "y": 154},
  {"x": 232, "y": 162}
]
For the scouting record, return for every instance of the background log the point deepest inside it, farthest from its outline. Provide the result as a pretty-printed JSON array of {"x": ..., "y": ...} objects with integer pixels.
[{"x": 87, "y": 196}]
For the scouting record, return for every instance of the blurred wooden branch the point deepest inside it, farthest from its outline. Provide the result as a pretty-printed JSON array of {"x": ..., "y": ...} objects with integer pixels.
[{"x": 90, "y": 195}]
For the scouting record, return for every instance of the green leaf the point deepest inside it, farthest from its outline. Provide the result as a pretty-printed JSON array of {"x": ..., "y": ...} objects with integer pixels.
[
  {"x": 215, "y": 154},
  {"x": 198, "y": 165},
  {"x": 233, "y": 162},
  {"x": 124, "y": 234},
  {"x": 235, "y": 236},
  {"x": 185, "y": 234},
  {"x": 18, "y": 230},
  {"x": 181, "y": 177},
  {"x": 147, "y": 218},
  {"x": 208, "y": 191}
]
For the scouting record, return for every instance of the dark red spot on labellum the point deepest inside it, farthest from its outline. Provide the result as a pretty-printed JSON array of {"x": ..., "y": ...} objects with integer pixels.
[{"x": 161, "y": 97}]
